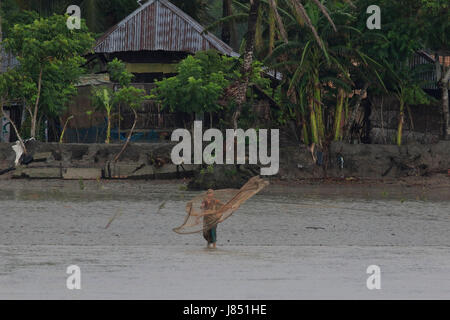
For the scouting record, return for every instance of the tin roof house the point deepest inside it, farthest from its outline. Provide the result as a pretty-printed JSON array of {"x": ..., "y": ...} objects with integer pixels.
[
  {"x": 151, "y": 41},
  {"x": 154, "y": 38}
]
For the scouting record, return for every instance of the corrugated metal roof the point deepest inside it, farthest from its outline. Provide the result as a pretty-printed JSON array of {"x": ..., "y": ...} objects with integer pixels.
[{"x": 160, "y": 25}]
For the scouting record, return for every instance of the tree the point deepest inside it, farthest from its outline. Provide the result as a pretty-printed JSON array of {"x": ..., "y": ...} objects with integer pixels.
[
  {"x": 298, "y": 10},
  {"x": 393, "y": 47},
  {"x": 198, "y": 85},
  {"x": 103, "y": 98},
  {"x": 133, "y": 98},
  {"x": 241, "y": 86},
  {"x": 435, "y": 15},
  {"x": 118, "y": 74},
  {"x": 202, "y": 83},
  {"x": 229, "y": 35},
  {"x": 125, "y": 94},
  {"x": 320, "y": 75},
  {"x": 50, "y": 62}
]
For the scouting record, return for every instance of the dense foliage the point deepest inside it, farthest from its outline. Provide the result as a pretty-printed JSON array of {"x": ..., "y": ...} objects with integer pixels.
[
  {"x": 200, "y": 83},
  {"x": 50, "y": 58},
  {"x": 329, "y": 60}
]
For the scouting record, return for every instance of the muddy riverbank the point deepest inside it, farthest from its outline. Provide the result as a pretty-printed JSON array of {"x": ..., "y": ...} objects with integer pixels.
[{"x": 341, "y": 164}]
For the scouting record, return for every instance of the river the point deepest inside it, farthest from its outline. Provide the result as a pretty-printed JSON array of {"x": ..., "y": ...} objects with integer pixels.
[{"x": 288, "y": 242}]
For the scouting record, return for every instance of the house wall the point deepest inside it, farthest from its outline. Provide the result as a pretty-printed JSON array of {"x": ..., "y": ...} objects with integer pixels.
[
  {"x": 151, "y": 67},
  {"x": 4, "y": 128},
  {"x": 7, "y": 132},
  {"x": 148, "y": 66},
  {"x": 84, "y": 128},
  {"x": 423, "y": 124}
]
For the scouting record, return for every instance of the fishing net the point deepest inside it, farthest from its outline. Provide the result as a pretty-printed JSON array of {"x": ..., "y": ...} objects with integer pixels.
[{"x": 230, "y": 199}]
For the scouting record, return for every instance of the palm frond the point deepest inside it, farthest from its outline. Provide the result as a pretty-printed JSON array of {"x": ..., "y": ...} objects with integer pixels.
[
  {"x": 302, "y": 12},
  {"x": 238, "y": 17},
  {"x": 325, "y": 12},
  {"x": 274, "y": 9}
]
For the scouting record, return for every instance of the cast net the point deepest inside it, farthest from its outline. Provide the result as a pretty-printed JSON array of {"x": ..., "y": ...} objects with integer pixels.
[{"x": 230, "y": 201}]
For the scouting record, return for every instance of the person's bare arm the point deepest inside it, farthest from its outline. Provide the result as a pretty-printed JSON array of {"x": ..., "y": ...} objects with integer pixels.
[
  {"x": 207, "y": 212},
  {"x": 202, "y": 206},
  {"x": 204, "y": 213},
  {"x": 219, "y": 203}
]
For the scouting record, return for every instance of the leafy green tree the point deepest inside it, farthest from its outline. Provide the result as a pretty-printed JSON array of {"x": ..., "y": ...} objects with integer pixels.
[
  {"x": 404, "y": 38},
  {"x": 118, "y": 72},
  {"x": 392, "y": 48},
  {"x": 125, "y": 94},
  {"x": 133, "y": 98},
  {"x": 199, "y": 84},
  {"x": 103, "y": 98},
  {"x": 50, "y": 60},
  {"x": 202, "y": 81},
  {"x": 319, "y": 73},
  {"x": 294, "y": 8},
  {"x": 435, "y": 15}
]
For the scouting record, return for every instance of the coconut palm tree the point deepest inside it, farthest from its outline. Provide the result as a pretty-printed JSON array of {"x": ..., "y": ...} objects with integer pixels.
[
  {"x": 294, "y": 8},
  {"x": 319, "y": 73}
]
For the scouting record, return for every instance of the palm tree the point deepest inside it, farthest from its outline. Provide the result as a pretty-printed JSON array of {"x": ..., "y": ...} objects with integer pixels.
[
  {"x": 229, "y": 27},
  {"x": 241, "y": 86},
  {"x": 295, "y": 8},
  {"x": 197, "y": 9},
  {"x": 317, "y": 74}
]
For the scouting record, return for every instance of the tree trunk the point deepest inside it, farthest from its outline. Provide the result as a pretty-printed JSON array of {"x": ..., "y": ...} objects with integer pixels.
[
  {"x": 338, "y": 116},
  {"x": 229, "y": 33},
  {"x": 61, "y": 137},
  {"x": 129, "y": 136},
  {"x": 36, "y": 106},
  {"x": 401, "y": 120},
  {"x": 445, "y": 111},
  {"x": 242, "y": 85},
  {"x": 445, "y": 106},
  {"x": 118, "y": 124},
  {"x": 1, "y": 34},
  {"x": 226, "y": 27},
  {"x": 274, "y": 10},
  {"x": 356, "y": 108},
  {"x": 108, "y": 129},
  {"x": 319, "y": 113},
  {"x": 314, "y": 133}
]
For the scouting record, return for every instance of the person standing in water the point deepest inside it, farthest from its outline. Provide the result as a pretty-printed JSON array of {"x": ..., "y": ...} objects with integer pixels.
[{"x": 211, "y": 218}]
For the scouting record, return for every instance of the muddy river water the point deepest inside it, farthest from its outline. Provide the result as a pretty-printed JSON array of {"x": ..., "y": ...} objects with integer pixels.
[{"x": 284, "y": 243}]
